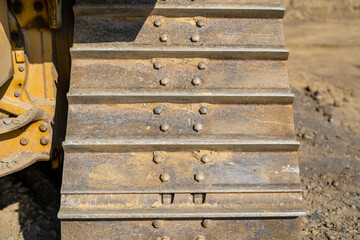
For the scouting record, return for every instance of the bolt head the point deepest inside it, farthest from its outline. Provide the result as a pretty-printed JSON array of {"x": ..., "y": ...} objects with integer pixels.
[
  {"x": 164, "y": 127},
  {"x": 199, "y": 177},
  {"x": 24, "y": 141},
  {"x": 164, "y": 81},
  {"x": 200, "y": 23},
  {"x": 165, "y": 238},
  {"x": 203, "y": 110},
  {"x": 43, "y": 127},
  {"x": 198, "y": 127},
  {"x": 19, "y": 44},
  {"x": 206, "y": 223},
  {"x": 158, "y": 110},
  {"x": 157, "y": 159},
  {"x": 205, "y": 158},
  {"x": 163, "y": 38},
  {"x": 17, "y": 93},
  {"x": 195, "y": 38},
  {"x": 44, "y": 141},
  {"x": 21, "y": 68},
  {"x": 165, "y": 177},
  {"x": 157, "y": 65},
  {"x": 202, "y": 65},
  {"x": 7, "y": 121},
  {"x": 200, "y": 238},
  {"x": 158, "y": 22},
  {"x": 196, "y": 81},
  {"x": 157, "y": 223}
]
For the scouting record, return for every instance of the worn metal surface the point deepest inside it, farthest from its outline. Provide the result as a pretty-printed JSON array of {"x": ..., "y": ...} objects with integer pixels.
[
  {"x": 225, "y": 172},
  {"x": 224, "y": 229},
  {"x": 180, "y": 123},
  {"x": 181, "y": 31},
  {"x": 224, "y": 205},
  {"x": 221, "y": 76},
  {"x": 138, "y": 120}
]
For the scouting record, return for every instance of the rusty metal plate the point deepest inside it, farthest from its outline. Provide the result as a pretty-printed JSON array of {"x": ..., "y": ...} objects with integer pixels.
[
  {"x": 224, "y": 229},
  {"x": 136, "y": 127},
  {"x": 180, "y": 32},
  {"x": 115, "y": 121},
  {"x": 140, "y": 173},
  {"x": 140, "y": 75}
]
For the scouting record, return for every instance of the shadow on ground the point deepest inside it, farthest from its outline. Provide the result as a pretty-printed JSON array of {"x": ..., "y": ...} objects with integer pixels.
[{"x": 29, "y": 202}]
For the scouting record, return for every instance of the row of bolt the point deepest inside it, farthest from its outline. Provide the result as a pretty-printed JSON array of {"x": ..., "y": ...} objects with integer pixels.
[
  {"x": 159, "y": 223},
  {"x": 158, "y": 159},
  {"x": 165, "y": 81},
  {"x": 196, "y": 81},
  {"x": 199, "y": 23},
  {"x": 164, "y": 177},
  {"x": 194, "y": 38},
  {"x": 165, "y": 127},
  {"x": 17, "y": 93},
  {"x": 158, "y": 65},
  {"x": 197, "y": 127},
  {"x": 44, "y": 140}
]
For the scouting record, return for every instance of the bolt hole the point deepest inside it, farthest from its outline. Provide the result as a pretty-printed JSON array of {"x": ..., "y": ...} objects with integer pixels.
[
  {"x": 14, "y": 36},
  {"x": 19, "y": 44},
  {"x": 19, "y": 84},
  {"x": 17, "y": 6},
  {"x": 38, "y": 6}
]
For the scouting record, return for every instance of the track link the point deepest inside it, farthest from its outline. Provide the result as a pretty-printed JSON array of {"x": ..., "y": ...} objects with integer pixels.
[{"x": 180, "y": 123}]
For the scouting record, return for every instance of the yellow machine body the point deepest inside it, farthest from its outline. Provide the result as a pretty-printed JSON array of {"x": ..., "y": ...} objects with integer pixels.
[{"x": 28, "y": 92}]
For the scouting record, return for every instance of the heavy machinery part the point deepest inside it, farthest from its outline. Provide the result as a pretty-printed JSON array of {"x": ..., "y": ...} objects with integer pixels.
[
  {"x": 180, "y": 123},
  {"x": 39, "y": 14},
  {"x": 6, "y": 67},
  {"x": 27, "y": 99}
]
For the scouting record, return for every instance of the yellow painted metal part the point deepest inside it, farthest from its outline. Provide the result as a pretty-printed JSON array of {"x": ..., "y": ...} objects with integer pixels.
[
  {"x": 36, "y": 13},
  {"x": 28, "y": 98},
  {"x": 6, "y": 68}
]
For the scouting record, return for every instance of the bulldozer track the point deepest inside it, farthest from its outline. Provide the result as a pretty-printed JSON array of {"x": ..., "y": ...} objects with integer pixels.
[{"x": 180, "y": 123}]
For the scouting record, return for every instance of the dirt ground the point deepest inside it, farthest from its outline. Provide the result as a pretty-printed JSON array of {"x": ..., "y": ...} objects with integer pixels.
[{"x": 324, "y": 68}]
